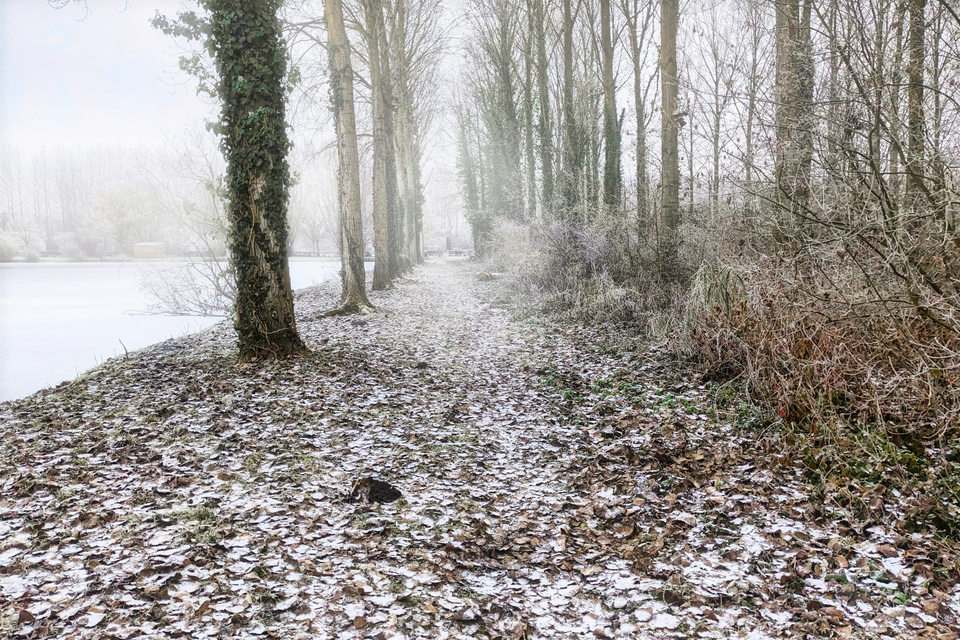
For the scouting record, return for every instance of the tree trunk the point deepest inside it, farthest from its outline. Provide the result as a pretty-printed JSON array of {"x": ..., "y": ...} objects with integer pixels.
[
  {"x": 510, "y": 174},
  {"x": 794, "y": 108},
  {"x": 895, "y": 151},
  {"x": 611, "y": 129},
  {"x": 670, "y": 160},
  {"x": 472, "y": 180},
  {"x": 395, "y": 212},
  {"x": 834, "y": 111},
  {"x": 915, "y": 115},
  {"x": 406, "y": 180},
  {"x": 544, "y": 123},
  {"x": 571, "y": 154},
  {"x": 352, "y": 272},
  {"x": 405, "y": 126},
  {"x": 691, "y": 182},
  {"x": 251, "y": 62},
  {"x": 528, "y": 126},
  {"x": 748, "y": 143},
  {"x": 718, "y": 107},
  {"x": 944, "y": 207},
  {"x": 383, "y": 267},
  {"x": 639, "y": 98}
]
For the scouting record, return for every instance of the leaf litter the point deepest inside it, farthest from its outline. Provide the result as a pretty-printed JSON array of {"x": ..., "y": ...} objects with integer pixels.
[{"x": 543, "y": 481}]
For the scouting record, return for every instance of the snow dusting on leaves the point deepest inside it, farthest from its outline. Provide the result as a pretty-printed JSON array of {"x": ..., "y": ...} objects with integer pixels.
[{"x": 553, "y": 482}]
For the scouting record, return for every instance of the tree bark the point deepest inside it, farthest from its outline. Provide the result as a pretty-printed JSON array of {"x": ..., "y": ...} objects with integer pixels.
[
  {"x": 639, "y": 98},
  {"x": 251, "y": 62},
  {"x": 383, "y": 267},
  {"x": 395, "y": 212},
  {"x": 352, "y": 272},
  {"x": 405, "y": 128},
  {"x": 611, "y": 129},
  {"x": 528, "y": 125},
  {"x": 895, "y": 151},
  {"x": 915, "y": 114},
  {"x": 572, "y": 163},
  {"x": 748, "y": 143},
  {"x": 544, "y": 124},
  {"x": 669, "y": 139},
  {"x": 794, "y": 108}
]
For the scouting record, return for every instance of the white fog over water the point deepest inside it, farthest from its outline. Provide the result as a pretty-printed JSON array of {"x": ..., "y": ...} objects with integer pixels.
[{"x": 58, "y": 319}]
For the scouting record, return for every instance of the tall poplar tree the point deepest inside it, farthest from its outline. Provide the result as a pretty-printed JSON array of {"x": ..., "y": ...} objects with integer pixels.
[
  {"x": 611, "y": 128},
  {"x": 669, "y": 138},
  {"x": 354, "y": 295}
]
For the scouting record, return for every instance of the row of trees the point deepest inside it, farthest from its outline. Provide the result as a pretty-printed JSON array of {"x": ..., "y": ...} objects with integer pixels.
[
  {"x": 540, "y": 134},
  {"x": 250, "y": 78},
  {"x": 764, "y": 99},
  {"x": 398, "y": 43},
  {"x": 805, "y": 186}
]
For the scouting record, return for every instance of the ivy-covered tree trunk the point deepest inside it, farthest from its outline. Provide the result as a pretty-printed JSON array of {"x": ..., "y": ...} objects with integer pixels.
[{"x": 251, "y": 63}]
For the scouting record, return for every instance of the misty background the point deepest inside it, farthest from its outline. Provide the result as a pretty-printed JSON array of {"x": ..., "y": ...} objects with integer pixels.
[{"x": 105, "y": 160}]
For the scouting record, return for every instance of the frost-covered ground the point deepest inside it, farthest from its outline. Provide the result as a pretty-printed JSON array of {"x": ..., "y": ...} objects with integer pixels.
[{"x": 558, "y": 482}]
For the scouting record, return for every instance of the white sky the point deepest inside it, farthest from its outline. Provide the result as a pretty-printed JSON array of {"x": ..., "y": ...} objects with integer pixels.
[{"x": 95, "y": 75}]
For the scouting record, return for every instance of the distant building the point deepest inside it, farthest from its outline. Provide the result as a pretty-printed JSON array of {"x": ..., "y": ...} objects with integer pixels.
[{"x": 148, "y": 250}]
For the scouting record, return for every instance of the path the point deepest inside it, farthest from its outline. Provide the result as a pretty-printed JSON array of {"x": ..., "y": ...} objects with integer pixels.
[{"x": 555, "y": 484}]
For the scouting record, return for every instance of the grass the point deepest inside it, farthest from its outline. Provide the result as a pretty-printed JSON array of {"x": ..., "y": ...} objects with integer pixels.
[
  {"x": 254, "y": 461},
  {"x": 202, "y": 524},
  {"x": 194, "y": 514}
]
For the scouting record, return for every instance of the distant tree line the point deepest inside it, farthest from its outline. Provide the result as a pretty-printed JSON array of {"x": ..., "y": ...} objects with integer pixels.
[{"x": 95, "y": 202}]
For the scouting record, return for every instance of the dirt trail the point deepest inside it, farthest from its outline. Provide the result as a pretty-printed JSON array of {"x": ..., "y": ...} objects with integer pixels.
[{"x": 556, "y": 482}]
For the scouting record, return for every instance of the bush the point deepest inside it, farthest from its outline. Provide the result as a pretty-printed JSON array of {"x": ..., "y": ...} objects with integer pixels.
[
  {"x": 598, "y": 271},
  {"x": 854, "y": 351},
  {"x": 813, "y": 356},
  {"x": 69, "y": 246},
  {"x": 873, "y": 390},
  {"x": 8, "y": 247}
]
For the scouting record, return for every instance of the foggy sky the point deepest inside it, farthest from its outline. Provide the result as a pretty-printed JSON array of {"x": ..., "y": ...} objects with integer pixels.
[{"x": 95, "y": 75}]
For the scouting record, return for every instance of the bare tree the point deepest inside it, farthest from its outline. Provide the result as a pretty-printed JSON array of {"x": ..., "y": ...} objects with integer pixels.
[
  {"x": 417, "y": 40},
  {"x": 386, "y": 262},
  {"x": 545, "y": 120},
  {"x": 354, "y": 296},
  {"x": 638, "y": 23},
  {"x": 611, "y": 126},
  {"x": 915, "y": 73},
  {"x": 670, "y": 171},
  {"x": 572, "y": 143},
  {"x": 794, "y": 100}
]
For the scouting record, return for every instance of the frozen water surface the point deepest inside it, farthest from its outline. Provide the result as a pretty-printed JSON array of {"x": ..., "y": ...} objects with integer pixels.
[{"x": 60, "y": 319}]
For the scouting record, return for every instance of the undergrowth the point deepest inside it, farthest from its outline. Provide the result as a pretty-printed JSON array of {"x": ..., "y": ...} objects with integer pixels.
[{"x": 867, "y": 393}]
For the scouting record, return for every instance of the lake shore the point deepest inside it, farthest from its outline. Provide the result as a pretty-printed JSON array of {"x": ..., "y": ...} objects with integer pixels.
[{"x": 62, "y": 318}]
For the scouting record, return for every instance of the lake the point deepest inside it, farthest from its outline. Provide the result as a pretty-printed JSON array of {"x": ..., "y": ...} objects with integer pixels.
[{"x": 58, "y": 319}]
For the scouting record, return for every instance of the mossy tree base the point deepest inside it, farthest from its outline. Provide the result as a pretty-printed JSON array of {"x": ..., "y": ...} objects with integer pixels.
[{"x": 350, "y": 307}]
